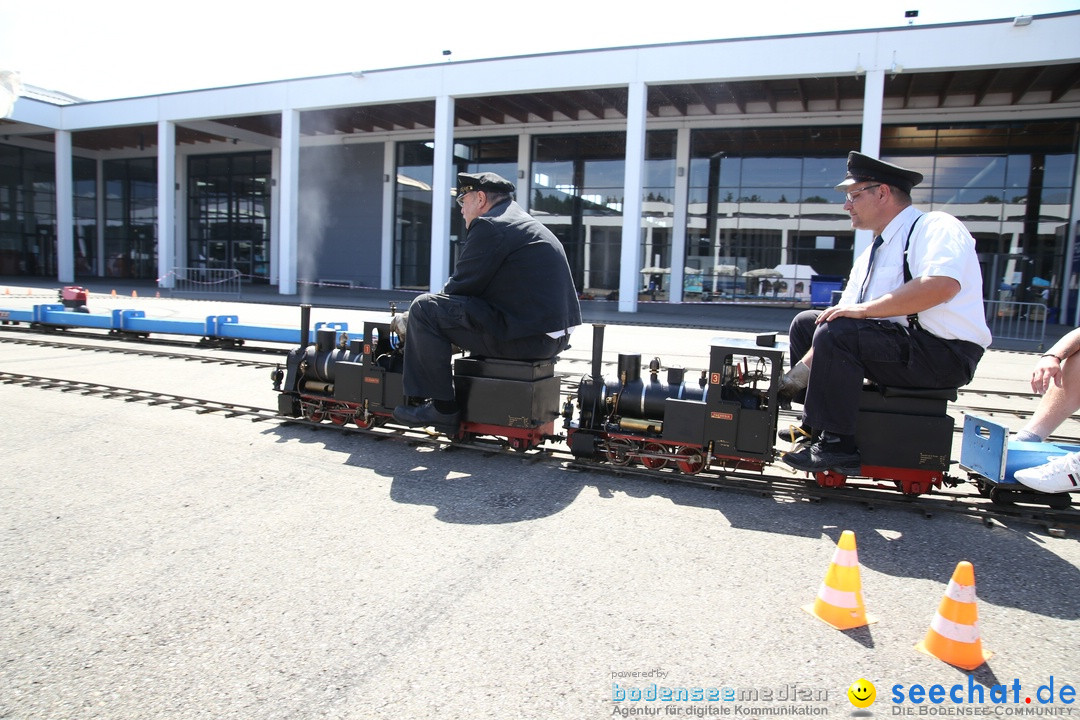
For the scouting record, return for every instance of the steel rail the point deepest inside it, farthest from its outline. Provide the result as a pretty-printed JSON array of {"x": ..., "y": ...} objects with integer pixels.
[{"x": 861, "y": 492}]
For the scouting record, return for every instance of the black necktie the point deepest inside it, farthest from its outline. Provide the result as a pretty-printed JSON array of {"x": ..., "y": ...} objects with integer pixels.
[{"x": 870, "y": 267}]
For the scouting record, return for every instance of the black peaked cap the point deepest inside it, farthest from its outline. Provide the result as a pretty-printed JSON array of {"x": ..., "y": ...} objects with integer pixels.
[
  {"x": 486, "y": 181},
  {"x": 863, "y": 168}
]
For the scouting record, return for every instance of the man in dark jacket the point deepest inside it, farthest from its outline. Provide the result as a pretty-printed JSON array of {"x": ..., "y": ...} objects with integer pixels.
[{"x": 511, "y": 296}]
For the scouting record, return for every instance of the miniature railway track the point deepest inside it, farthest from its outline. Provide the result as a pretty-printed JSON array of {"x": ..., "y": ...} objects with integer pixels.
[
  {"x": 113, "y": 349},
  {"x": 777, "y": 483},
  {"x": 150, "y": 397},
  {"x": 577, "y": 366}
]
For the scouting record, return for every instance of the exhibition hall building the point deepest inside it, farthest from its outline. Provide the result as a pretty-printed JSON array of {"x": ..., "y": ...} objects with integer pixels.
[{"x": 675, "y": 173}]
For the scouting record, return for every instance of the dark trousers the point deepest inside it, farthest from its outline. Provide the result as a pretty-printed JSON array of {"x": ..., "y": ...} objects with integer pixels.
[
  {"x": 847, "y": 350},
  {"x": 437, "y": 321}
]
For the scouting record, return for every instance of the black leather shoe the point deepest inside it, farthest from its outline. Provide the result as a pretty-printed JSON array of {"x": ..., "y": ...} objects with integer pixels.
[
  {"x": 822, "y": 455},
  {"x": 425, "y": 414}
]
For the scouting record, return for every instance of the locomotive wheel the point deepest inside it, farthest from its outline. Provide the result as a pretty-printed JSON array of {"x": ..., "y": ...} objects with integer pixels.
[
  {"x": 339, "y": 418},
  {"x": 619, "y": 452},
  {"x": 689, "y": 461},
  {"x": 314, "y": 414},
  {"x": 654, "y": 463}
]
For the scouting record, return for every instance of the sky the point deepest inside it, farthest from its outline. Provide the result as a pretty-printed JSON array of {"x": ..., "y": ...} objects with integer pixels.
[{"x": 128, "y": 48}]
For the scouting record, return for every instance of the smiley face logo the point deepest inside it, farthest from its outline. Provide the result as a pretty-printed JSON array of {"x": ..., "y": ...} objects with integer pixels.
[{"x": 862, "y": 693}]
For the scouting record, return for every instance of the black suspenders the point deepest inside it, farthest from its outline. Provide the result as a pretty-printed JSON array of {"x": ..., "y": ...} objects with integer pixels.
[{"x": 913, "y": 318}]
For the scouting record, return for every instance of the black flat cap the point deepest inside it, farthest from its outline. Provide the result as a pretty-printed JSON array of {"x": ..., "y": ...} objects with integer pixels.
[
  {"x": 486, "y": 181},
  {"x": 863, "y": 168}
]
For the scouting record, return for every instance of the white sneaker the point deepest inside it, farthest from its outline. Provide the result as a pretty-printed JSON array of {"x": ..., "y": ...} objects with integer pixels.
[{"x": 1061, "y": 474}]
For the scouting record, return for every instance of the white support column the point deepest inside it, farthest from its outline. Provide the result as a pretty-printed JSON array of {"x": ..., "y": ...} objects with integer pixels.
[
  {"x": 289, "y": 193},
  {"x": 442, "y": 181},
  {"x": 524, "y": 178},
  {"x": 873, "y": 110},
  {"x": 681, "y": 215},
  {"x": 629, "y": 268},
  {"x": 166, "y": 203},
  {"x": 389, "y": 217},
  {"x": 65, "y": 209}
]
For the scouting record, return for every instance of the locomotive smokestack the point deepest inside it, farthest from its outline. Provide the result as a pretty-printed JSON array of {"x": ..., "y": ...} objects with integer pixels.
[
  {"x": 305, "y": 326},
  {"x": 597, "y": 350}
]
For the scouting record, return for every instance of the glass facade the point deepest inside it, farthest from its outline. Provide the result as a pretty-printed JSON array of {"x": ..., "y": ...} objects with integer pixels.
[
  {"x": 27, "y": 212},
  {"x": 1011, "y": 185},
  {"x": 229, "y": 213},
  {"x": 84, "y": 178},
  {"x": 763, "y": 217},
  {"x": 131, "y": 218},
  {"x": 577, "y": 188},
  {"x": 412, "y": 200}
]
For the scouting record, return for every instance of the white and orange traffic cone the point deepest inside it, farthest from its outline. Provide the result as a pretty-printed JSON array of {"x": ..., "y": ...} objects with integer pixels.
[
  {"x": 839, "y": 601},
  {"x": 953, "y": 636}
]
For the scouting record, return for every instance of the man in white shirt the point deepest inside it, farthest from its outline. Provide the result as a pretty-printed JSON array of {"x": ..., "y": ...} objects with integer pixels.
[{"x": 911, "y": 315}]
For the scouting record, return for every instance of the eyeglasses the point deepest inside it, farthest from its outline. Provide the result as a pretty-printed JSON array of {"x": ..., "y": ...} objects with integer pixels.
[
  {"x": 850, "y": 197},
  {"x": 460, "y": 199}
]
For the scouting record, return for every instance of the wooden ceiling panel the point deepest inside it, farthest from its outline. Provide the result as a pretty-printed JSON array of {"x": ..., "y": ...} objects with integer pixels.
[{"x": 979, "y": 88}]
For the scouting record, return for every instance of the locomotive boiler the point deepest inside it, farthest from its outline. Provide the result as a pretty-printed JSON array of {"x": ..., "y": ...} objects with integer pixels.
[{"x": 726, "y": 414}]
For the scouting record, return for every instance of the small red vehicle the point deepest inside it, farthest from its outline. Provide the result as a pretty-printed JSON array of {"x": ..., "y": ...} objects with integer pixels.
[{"x": 74, "y": 298}]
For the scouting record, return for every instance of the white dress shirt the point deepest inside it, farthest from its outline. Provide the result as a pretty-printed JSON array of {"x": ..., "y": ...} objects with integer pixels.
[{"x": 940, "y": 247}]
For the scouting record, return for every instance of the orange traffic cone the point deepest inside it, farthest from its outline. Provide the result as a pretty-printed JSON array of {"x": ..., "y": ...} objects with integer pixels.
[
  {"x": 839, "y": 601},
  {"x": 113, "y": 293},
  {"x": 953, "y": 636},
  {"x": 134, "y": 294}
]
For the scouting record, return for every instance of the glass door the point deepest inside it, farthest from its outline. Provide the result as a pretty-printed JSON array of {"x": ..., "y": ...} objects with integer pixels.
[{"x": 229, "y": 214}]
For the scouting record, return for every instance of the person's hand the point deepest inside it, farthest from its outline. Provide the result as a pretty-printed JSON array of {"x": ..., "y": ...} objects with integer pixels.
[
  {"x": 857, "y": 311},
  {"x": 1047, "y": 370},
  {"x": 399, "y": 323}
]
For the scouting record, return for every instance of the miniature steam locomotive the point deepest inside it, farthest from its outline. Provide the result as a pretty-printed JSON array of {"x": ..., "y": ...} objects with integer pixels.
[{"x": 726, "y": 418}]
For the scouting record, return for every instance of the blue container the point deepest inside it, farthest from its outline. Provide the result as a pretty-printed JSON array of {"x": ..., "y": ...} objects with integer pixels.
[{"x": 822, "y": 287}]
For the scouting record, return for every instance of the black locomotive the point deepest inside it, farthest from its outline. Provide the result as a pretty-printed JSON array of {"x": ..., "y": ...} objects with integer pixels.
[
  {"x": 358, "y": 381},
  {"x": 725, "y": 418}
]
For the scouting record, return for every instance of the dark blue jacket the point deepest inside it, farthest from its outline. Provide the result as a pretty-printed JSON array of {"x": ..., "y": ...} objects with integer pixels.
[{"x": 518, "y": 266}]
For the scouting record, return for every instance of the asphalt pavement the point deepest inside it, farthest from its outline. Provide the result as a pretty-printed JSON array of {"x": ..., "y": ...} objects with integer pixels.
[{"x": 160, "y": 563}]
